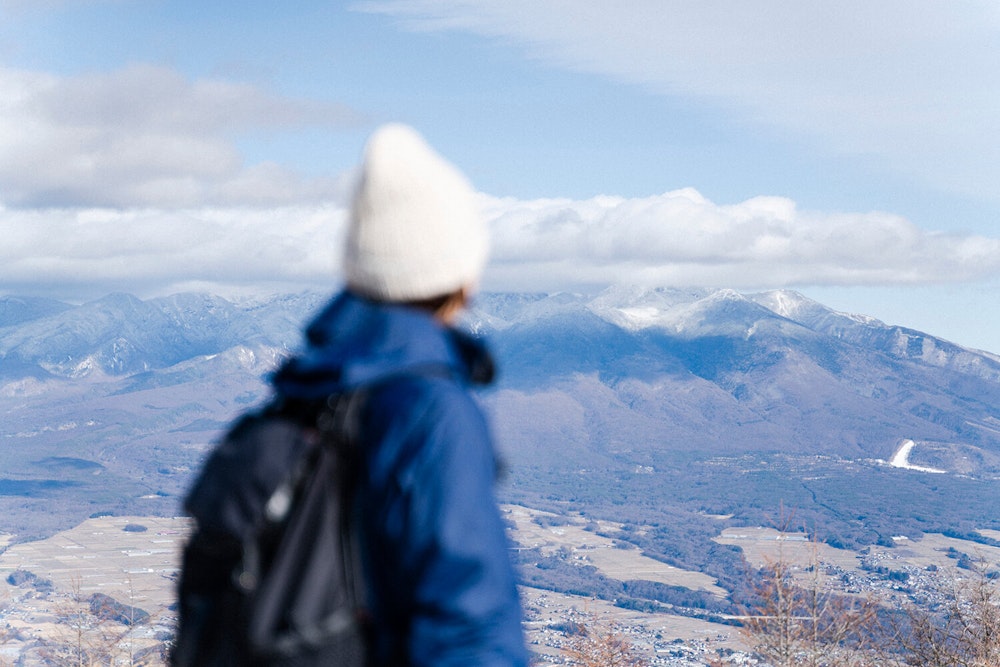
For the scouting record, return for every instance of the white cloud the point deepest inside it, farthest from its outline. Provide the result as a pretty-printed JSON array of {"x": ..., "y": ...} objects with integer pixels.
[
  {"x": 681, "y": 238},
  {"x": 73, "y": 253},
  {"x": 146, "y": 136},
  {"x": 675, "y": 239},
  {"x": 915, "y": 85}
]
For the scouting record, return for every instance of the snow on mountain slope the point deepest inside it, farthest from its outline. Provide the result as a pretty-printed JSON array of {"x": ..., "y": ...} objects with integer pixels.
[
  {"x": 624, "y": 380},
  {"x": 722, "y": 368},
  {"x": 868, "y": 332}
]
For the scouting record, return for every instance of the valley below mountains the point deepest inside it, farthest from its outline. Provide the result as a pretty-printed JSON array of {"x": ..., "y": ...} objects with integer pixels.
[{"x": 675, "y": 414}]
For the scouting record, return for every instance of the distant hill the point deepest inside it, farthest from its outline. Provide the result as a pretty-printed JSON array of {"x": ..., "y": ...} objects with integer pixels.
[{"x": 656, "y": 407}]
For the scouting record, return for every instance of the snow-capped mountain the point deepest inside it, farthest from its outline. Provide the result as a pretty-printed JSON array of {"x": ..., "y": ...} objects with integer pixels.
[
  {"x": 724, "y": 372},
  {"x": 627, "y": 380}
]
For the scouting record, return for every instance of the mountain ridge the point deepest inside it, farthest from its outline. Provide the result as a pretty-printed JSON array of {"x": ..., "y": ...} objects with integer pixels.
[{"x": 679, "y": 384}]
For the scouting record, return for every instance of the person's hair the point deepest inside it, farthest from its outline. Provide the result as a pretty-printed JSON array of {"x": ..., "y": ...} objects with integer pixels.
[{"x": 436, "y": 304}]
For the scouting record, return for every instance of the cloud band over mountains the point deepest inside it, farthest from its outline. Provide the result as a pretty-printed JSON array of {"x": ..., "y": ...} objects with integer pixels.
[
  {"x": 681, "y": 238},
  {"x": 674, "y": 239}
]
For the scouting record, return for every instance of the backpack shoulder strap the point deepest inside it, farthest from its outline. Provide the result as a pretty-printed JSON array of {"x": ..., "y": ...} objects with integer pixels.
[{"x": 339, "y": 420}]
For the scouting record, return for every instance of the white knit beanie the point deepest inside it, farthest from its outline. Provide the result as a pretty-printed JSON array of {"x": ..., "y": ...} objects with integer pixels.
[{"x": 415, "y": 231}]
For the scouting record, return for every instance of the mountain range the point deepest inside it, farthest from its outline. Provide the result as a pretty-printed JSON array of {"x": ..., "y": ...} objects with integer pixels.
[{"x": 657, "y": 407}]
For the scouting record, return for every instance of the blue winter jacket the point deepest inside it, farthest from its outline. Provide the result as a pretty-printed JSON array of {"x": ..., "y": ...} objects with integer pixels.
[{"x": 441, "y": 586}]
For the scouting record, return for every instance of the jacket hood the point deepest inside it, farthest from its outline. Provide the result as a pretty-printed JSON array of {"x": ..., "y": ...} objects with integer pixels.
[{"x": 354, "y": 341}]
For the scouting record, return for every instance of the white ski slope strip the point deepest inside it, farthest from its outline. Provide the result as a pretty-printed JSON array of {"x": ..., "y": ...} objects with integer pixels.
[{"x": 901, "y": 459}]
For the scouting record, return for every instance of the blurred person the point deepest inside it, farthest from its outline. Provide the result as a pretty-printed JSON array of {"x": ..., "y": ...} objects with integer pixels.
[{"x": 440, "y": 586}]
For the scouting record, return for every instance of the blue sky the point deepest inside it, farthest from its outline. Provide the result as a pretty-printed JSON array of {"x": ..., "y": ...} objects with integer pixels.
[{"x": 848, "y": 150}]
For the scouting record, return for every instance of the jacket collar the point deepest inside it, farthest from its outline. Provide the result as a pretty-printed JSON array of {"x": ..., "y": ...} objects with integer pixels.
[{"x": 354, "y": 341}]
